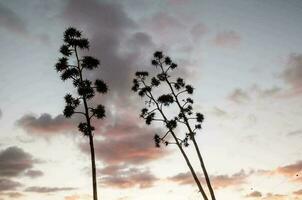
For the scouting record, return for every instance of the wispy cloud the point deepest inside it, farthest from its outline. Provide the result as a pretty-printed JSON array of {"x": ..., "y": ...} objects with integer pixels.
[
  {"x": 295, "y": 133},
  {"x": 293, "y": 72},
  {"x": 218, "y": 181},
  {"x": 254, "y": 194},
  {"x": 123, "y": 176},
  {"x": 241, "y": 96},
  {"x": 292, "y": 171},
  {"x": 227, "y": 39},
  {"x": 39, "y": 189},
  {"x": 11, "y": 21},
  {"x": 298, "y": 192},
  {"x": 33, "y": 173}
]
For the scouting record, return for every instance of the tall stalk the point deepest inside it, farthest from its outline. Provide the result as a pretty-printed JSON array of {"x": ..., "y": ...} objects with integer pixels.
[
  {"x": 73, "y": 41},
  {"x": 90, "y": 135},
  {"x": 166, "y": 121},
  {"x": 191, "y": 132}
]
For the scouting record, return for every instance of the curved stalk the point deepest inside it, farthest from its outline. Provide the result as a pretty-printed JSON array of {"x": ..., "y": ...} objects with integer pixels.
[
  {"x": 180, "y": 147},
  {"x": 208, "y": 182}
]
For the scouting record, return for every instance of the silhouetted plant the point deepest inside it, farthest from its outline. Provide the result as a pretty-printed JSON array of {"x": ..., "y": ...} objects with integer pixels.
[
  {"x": 86, "y": 89},
  {"x": 156, "y": 109}
]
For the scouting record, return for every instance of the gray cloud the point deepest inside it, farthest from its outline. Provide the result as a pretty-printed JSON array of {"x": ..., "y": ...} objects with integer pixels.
[
  {"x": 123, "y": 176},
  {"x": 218, "y": 181},
  {"x": 239, "y": 96},
  {"x": 8, "y": 185},
  {"x": 38, "y": 189},
  {"x": 14, "y": 161},
  {"x": 109, "y": 28},
  {"x": 254, "y": 194},
  {"x": 11, "y": 21},
  {"x": 45, "y": 125},
  {"x": 293, "y": 72},
  {"x": 0, "y": 113},
  {"x": 219, "y": 112},
  {"x": 295, "y": 133},
  {"x": 198, "y": 31},
  {"x": 33, "y": 173},
  {"x": 127, "y": 141}
]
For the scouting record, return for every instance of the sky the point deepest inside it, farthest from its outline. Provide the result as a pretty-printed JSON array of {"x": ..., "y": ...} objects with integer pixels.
[{"x": 244, "y": 59}]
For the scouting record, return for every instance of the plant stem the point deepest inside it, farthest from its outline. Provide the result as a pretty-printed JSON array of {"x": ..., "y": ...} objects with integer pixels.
[
  {"x": 92, "y": 154},
  {"x": 180, "y": 148},
  {"x": 192, "y": 136}
]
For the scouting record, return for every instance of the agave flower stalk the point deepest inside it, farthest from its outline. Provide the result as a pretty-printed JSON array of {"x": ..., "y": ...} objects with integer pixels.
[
  {"x": 155, "y": 109},
  {"x": 178, "y": 89},
  {"x": 86, "y": 89}
]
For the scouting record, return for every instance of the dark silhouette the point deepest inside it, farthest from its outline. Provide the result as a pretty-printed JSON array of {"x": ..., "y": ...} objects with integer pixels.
[
  {"x": 176, "y": 96},
  {"x": 73, "y": 41}
]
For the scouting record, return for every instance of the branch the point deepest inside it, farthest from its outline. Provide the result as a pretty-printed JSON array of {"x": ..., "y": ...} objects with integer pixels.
[
  {"x": 161, "y": 120},
  {"x": 180, "y": 92},
  {"x": 162, "y": 138},
  {"x": 152, "y": 110}
]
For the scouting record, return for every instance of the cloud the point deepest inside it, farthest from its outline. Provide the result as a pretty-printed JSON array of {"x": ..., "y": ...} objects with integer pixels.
[
  {"x": 38, "y": 189},
  {"x": 227, "y": 39},
  {"x": 198, "y": 31},
  {"x": 298, "y": 192},
  {"x": 291, "y": 171},
  {"x": 239, "y": 96},
  {"x": 295, "y": 133},
  {"x": 219, "y": 112},
  {"x": 11, "y": 21},
  {"x": 178, "y": 2},
  {"x": 45, "y": 124},
  {"x": 254, "y": 194},
  {"x": 14, "y": 161},
  {"x": 140, "y": 40},
  {"x": 293, "y": 72},
  {"x": 72, "y": 197},
  {"x": 271, "y": 196},
  {"x": 8, "y": 185},
  {"x": 218, "y": 181},
  {"x": 0, "y": 113},
  {"x": 126, "y": 141},
  {"x": 108, "y": 28},
  {"x": 77, "y": 197},
  {"x": 13, "y": 195},
  {"x": 123, "y": 176},
  {"x": 33, "y": 173}
]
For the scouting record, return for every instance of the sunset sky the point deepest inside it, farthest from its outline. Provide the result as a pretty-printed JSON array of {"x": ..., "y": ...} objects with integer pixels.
[{"x": 243, "y": 57}]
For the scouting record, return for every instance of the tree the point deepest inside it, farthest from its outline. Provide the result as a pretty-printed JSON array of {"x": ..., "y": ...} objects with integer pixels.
[
  {"x": 86, "y": 89},
  {"x": 157, "y": 109}
]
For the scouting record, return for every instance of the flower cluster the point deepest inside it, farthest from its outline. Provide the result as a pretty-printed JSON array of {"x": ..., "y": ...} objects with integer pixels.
[
  {"x": 144, "y": 85},
  {"x": 86, "y": 89}
]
